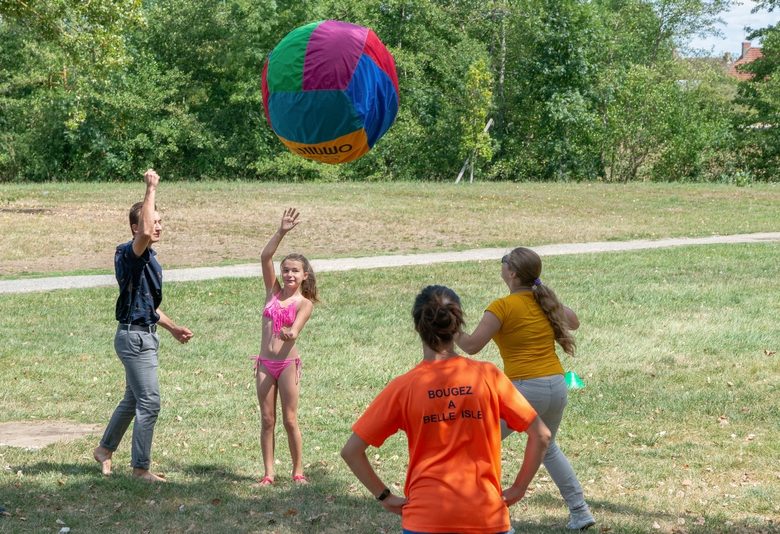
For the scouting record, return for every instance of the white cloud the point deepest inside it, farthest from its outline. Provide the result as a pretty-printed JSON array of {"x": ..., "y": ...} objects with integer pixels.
[{"x": 736, "y": 20}]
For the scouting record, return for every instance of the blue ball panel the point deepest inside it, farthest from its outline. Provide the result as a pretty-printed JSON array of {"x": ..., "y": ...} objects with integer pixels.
[
  {"x": 312, "y": 116},
  {"x": 373, "y": 95}
]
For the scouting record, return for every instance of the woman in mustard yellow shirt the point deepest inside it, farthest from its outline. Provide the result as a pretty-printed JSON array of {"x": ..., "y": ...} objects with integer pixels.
[{"x": 525, "y": 325}]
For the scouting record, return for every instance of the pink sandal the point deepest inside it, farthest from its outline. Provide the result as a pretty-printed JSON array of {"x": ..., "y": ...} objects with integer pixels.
[
  {"x": 266, "y": 481},
  {"x": 300, "y": 479}
]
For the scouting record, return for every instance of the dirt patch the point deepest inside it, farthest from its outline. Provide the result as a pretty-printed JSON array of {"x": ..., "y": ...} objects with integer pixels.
[{"x": 39, "y": 434}]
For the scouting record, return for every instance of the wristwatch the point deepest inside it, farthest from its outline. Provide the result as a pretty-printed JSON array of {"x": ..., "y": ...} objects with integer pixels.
[{"x": 382, "y": 496}]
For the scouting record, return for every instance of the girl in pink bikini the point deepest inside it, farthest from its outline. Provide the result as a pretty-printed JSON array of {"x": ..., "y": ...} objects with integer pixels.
[{"x": 288, "y": 306}]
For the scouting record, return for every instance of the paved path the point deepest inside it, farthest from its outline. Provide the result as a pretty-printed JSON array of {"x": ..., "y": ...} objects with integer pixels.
[{"x": 374, "y": 262}]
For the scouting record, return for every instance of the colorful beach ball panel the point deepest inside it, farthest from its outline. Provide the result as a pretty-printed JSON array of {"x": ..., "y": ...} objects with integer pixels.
[{"x": 330, "y": 91}]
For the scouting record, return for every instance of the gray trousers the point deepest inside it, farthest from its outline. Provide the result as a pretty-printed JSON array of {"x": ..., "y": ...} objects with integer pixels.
[
  {"x": 548, "y": 396},
  {"x": 138, "y": 353}
]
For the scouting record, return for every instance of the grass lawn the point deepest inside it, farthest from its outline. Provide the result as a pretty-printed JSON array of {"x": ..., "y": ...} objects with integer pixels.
[
  {"x": 676, "y": 430},
  {"x": 73, "y": 228}
]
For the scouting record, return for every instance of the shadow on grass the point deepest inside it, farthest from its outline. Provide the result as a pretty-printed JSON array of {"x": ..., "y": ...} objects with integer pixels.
[
  {"x": 196, "y": 498},
  {"x": 620, "y": 518},
  {"x": 215, "y": 498}
]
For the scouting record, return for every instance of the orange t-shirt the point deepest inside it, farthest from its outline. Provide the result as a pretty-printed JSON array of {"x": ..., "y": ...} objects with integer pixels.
[
  {"x": 450, "y": 411},
  {"x": 526, "y": 340}
]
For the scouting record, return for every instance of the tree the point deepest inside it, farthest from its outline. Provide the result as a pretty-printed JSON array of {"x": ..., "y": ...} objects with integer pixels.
[
  {"x": 434, "y": 48},
  {"x": 678, "y": 20},
  {"x": 550, "y": 123},
  {"x": 759, "y": 123},
  {"x": 88, "y": 33},
  {"x": 220, "y": 48},
  {"x": 664, "y": 125},
  {"x": 54, "y": 53},
  {"x": 579, "y": 90},
  {"x": 475, "y": 140},
  {"x": 80, "y": 103}
]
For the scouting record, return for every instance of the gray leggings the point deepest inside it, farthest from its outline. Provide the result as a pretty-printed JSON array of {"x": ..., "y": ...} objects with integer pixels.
[
  {"x": 138, "y": 353},
  {"x": 548, "y": 396}
]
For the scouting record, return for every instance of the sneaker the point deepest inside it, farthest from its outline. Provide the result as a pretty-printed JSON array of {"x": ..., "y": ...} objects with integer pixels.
[{"x": 580, "y": 519}]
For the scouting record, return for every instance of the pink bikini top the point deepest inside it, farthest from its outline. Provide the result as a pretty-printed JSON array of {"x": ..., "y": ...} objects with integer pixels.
[{"x": 280, "y": 317}]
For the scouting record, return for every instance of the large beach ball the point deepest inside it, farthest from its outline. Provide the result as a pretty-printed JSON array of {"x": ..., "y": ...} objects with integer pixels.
[{"x": 330, "y": 91}]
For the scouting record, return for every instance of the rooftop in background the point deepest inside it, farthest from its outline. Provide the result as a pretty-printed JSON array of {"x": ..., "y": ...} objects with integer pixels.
[
  {"x": 749, "y": 54},
  {"x": 733, "y": 29}
]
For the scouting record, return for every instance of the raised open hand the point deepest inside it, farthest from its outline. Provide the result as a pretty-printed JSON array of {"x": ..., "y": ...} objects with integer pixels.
[{"x": 289, "y": 220}]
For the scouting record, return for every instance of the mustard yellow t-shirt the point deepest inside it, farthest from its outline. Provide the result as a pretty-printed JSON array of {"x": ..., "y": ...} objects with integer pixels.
[{"x": 526, "y": 339}]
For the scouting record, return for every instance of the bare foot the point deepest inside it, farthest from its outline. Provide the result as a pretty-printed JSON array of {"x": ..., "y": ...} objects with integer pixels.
[
  {"x": 103, "y": 457},
  {"x": 148, "y": 476}
]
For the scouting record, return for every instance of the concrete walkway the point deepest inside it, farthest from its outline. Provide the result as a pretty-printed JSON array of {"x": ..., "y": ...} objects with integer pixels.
[{"x": 375, "y": 262}]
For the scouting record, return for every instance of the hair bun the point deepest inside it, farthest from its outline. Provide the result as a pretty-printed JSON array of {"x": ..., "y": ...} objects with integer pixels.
[{"x": 437, "y": 315}]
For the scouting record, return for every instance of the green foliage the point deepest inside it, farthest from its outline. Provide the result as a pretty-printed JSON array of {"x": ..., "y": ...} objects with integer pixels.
[
  {"x": 221, "y": 47},
  {"x": 577, "y": 90},
  {"x": 759, "y": 122},
  {"x": 477, "y": 100},
  {"x": 89, "y": 34},
  {"x": 549, "y": 117},
  {"x": 664, "y": 126},
  {"x": 678, "y": 20},
  {"x": 396, "y": 159},
  {"x": 287, "y": 167}
]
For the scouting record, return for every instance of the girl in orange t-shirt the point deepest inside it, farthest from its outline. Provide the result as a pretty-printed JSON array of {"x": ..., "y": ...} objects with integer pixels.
[
  {"x": 450, "y": 408},
  {"x": 525, "y": 325}
]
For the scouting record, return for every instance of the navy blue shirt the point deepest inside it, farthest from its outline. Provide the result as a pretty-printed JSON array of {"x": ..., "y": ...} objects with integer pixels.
[{"x": 140, "y": 286}]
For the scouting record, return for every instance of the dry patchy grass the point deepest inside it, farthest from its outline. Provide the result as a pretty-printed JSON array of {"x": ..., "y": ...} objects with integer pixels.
[{"x": 54, "y": 228}]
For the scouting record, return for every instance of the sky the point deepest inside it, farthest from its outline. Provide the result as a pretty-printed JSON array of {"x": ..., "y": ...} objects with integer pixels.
[{"x": 733, "y": 30}]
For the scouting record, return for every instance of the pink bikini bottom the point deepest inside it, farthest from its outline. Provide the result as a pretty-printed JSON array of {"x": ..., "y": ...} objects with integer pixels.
[{"x": 275, "y": 367}]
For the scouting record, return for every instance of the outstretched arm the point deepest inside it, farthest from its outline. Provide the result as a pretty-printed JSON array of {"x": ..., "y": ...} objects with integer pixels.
[
  {"x": 181, "y": 333},
  {"x": 289, "y": 221},
  {"x": 483, "y": 333},
  {"x": 145, "y": 228},
  {"x": 354, "y": 453},
  {"x": 538, "y": 440}
]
